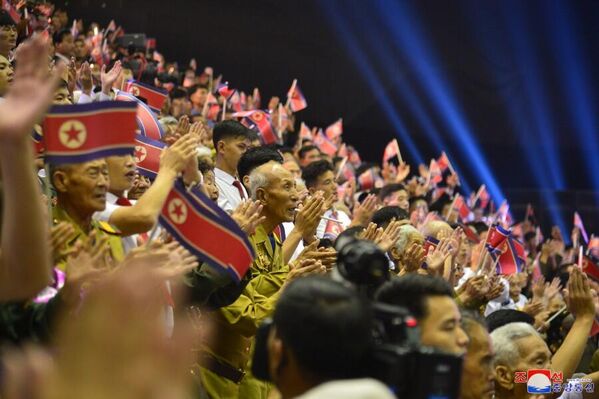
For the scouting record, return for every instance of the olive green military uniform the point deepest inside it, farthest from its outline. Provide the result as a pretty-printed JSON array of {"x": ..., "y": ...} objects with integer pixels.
[
  {"x": 236, "y": 324},
  {"x": 101, "y": 228}
]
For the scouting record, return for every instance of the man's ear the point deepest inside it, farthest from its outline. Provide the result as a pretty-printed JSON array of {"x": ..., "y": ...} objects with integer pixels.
[
  {"x": 60, "y": 180},
  {"x": 261, "y": 195},
  {"x": 220, "y": 146},
  {"x": 504, "y": 377},
  {"x": 246, "y": 180},
  {"x": 395, "y": 253},
  {"x": 311, "y": 190}
]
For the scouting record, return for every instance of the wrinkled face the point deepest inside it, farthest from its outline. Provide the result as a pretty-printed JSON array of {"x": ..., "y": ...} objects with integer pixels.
[
  {"x": 121, "y": 171},
  {"x": 478, "y": 372},
  {"x": 231, "y": 150},
  {"x": 62, "y": 97},
  {"x": 441, "y": 327},
  {"x": 515, "y": 286},
  {"x": 210, "y": 185},
  {"x": 533, "y": 354},
  {"x": 67, "y": 46},
  {"x": 326, "y": 184},
  {"x": 140, "y": 186},
  {"x": 309, "y": 157},
  {"x": 419, "y": 205},
  {"x": 84, "y": 185},
  {"x": 280, "y": 198},
  {"x": 6, "y": 75},
  {"x": 10, "y": 34},
  {"x": 398, "y": 198}
]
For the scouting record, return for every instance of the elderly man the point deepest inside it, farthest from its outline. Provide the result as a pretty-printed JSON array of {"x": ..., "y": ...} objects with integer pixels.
[
  {"x": 225, "y": 362},
  {"x": 478, "y": 373},
  {"x": 81, "y": 191},
  {"x": 519, "y": 347}
]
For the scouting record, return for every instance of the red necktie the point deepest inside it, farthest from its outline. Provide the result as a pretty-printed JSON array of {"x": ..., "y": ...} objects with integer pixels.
[
  {"x": 237, "y": 184},
  {"x": 122, "y": 201}
]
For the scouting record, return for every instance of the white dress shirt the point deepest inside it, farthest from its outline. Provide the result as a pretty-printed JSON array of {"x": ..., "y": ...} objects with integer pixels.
[
  {"x": 129, "y": 242},
  {"x": 228, "y": 194}
]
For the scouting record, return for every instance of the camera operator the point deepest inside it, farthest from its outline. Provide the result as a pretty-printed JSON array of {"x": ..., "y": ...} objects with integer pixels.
[
  {"x": 429, "y": 299},
  {"x": 315, "y": 345}
]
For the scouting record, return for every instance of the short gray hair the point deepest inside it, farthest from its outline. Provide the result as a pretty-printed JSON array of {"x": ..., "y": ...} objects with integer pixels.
[
  {"x": 258, "y": 180},
  {"x": 407, "y": 232},
  {"x": 505, "y": 341}
]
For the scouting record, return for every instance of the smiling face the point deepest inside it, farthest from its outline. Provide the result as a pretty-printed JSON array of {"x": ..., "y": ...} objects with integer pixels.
[
  {"x": 121, "y": 170},
  {"x": 6, "y": 75}
]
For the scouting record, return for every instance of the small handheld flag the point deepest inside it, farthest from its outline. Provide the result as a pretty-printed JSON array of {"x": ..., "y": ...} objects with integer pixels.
[
  {"x": 84, "y": 132},
  {"x": 324, "y": 143},
  {"x": 147, "y": 155},
  {"x": 155, "y": 96},
  {"x": 259, "y": 121},
  {"x": 392, "y": 151},
  {"x": 146, "y": 119},
  {"x": 335, "y": 130},
  {"x": 207, "y": 231},
  {"x": 578, "y": 223},
  {"x": 295, "y": 98}
]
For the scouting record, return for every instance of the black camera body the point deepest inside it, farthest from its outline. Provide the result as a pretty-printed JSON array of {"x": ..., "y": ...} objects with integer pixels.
[{"x": 397, "y": 358}]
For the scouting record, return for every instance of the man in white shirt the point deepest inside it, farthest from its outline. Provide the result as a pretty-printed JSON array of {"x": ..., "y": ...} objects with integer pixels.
[
  {"x": 138, "y": 217},
  {"x": 231, "y": 140},
  {"x": 320, "y": 176}
]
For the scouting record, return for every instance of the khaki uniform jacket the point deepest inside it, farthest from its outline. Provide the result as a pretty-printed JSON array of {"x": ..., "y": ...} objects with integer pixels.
[{"x": 236, "y": 324}]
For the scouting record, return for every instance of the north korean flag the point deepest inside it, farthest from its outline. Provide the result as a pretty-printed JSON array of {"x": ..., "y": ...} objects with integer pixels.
[
  {"x": 223, "y": 90},
  {"x": 83, "y": 132},
  {"x": 259, "y": 121},
  {"x": 296, "y": 99},
  {"x": 578, "y": 223},
  {"x": 459, "y": 205},
  {"x": 207, "y": 231},
  {"x": 324, "y": 144},
  {"x": 443, "y": 162},
  {"x": 155, "y": 96},
  {"x": 430, "y": 243},
  {"x": 147, "y": 155},
  {"x": 391, "y": 151},
  {"x": 305, "y": 132},
  {"x": 146, "y": 119},
  {"x": 366, "y": 180},
  {"x": 435, "y": 173},
  {"x": 496, "y": 236},
  {"x": 335, "y": 130},
  {"x": 12, "y": 11},
  {"x": 512, "y": 258},
  {"x": 590, "y": 267}
]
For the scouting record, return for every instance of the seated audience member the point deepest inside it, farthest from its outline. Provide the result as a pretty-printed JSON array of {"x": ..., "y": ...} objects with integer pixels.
[
  {"x": 430, "y": 301},
  {"x": 400, "y": 254},
  {"x": 320, "y": 176},
  {"x": 382, "y": 217},
  {"x": 8, "y": 34},
  {"x": 140, "y": 216},
  {"x": 519, "y": 347},
  {"x": 231, "y": 140},
  {"x": 395, "y": 195},
  {"x": 225, "y": 361},
  {"x": 308, "y": 154},
  {"x": 319, "y": 336},
  {"x": 478, "y": 372}
]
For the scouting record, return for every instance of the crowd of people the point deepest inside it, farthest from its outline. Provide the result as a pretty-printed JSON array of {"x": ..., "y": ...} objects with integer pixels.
[{"x": 100, "y": 299}]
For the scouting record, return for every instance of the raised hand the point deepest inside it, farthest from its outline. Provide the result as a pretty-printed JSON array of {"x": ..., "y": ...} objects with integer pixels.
[
  {"x": 308, "y": 217},
  {"x": 85, "y": 78},
  {"x": 305, "y": 267},
  {"x": 436, "y": 257},
  {"x": 176, "y": 157},
  {"x": 60, "y": 234},
  {"x": 248, "y": 216},
  {"x": 403, "y": 171},
  {"x": 389, "y": 236},
  {"x": 578, "y": 295},
  {"x": 364, "y": 211},
  {"x": 31, "y": 92},
  {"x": 108, "y": 78},
  {"x": 183, "y": 126},
  {"x": 413, "y": 258}
]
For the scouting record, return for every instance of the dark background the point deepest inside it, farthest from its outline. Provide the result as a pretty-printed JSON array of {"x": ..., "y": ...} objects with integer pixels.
[{"x": 267, "y": 43}]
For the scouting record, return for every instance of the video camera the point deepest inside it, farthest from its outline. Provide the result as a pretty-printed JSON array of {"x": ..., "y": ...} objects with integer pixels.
[{"x": 397, "y": 359}]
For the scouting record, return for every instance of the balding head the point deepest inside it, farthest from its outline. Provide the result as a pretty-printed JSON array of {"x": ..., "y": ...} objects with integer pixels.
[
  {"x": 274, "y": 187},
  {"x": 433, "y": 228}
]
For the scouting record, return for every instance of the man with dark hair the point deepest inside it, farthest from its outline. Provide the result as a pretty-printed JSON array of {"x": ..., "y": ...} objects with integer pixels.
[
  {"x": 395, "y": 195},
  {"x": 385, "y": 215},
  {"x": 231, "y": 140},
  {"x": 8, "y": 34},
  {"x": 308, "y": 154},
  {"x": 180, "y": 104},
  {"x": 320, "y": 176},
  {"x": 506, "y": 316},
  {"x": 64, "y": 46},
  {"x": 320, "y": 334},
  {"x": 478, "y": 373},
  {"x": 197, "y": 96},
  {"x": 430, "y": 301}
]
